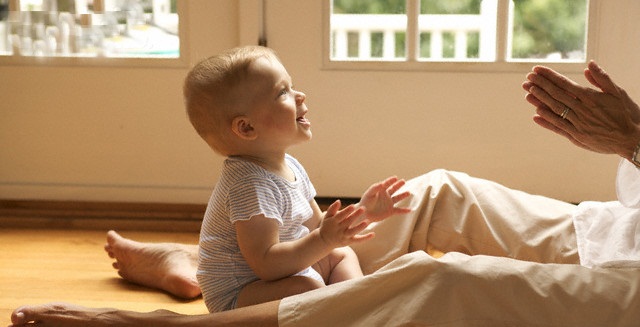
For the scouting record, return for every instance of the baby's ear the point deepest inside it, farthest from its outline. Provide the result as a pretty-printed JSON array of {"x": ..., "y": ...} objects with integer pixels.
[{"x": 241, "y": 126}]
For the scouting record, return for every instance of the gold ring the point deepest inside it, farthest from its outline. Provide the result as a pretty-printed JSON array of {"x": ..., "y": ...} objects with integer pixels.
[{"x": 565, "y": 112}]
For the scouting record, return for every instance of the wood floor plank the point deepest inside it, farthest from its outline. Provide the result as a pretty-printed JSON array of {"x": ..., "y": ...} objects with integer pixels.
[{"x": 40, "y": 266}]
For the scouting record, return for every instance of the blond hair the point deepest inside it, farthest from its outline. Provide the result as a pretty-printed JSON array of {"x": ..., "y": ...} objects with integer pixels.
[{"x": 208, "y": 93}]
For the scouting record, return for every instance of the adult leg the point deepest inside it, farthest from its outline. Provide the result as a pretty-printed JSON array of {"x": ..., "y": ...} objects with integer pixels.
[
  {"x": 170, "y": 267},
  {"x": 461, "y": 290},
  {"x": 69, "y": 315},
  {"x": 455, "y": 212},
  {"x": 477, "y": 216}
]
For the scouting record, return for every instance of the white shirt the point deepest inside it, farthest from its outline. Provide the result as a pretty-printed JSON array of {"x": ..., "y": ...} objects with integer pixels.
[{"x": 608, "y": 233}]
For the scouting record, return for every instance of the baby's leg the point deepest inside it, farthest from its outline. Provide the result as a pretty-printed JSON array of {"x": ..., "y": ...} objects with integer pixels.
[
  {"x": 170, "y": 267},
  {"x": 262, "y": 291},
  {"x": 340, "y": 265}
]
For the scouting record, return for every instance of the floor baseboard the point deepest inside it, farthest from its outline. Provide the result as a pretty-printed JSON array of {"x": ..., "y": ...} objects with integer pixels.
[
  {"x": 175, "y": 217},
  {"x": 101, "y": 215}
]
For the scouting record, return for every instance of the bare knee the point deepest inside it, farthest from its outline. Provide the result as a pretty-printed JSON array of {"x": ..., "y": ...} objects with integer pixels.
[{"x": 339, "y": 255}]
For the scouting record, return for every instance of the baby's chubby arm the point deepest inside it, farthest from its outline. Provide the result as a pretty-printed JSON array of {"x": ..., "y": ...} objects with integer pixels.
[{"x": 270, "y": 259}]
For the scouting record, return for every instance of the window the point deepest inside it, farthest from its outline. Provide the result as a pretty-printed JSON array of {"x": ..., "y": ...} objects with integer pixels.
[
  {"x": 368, "y": 33},
  {"x": 88, "y": 30}
]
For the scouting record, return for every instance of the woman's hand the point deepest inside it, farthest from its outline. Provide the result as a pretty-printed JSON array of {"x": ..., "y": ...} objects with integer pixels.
[{"x": 605, "y": 120}]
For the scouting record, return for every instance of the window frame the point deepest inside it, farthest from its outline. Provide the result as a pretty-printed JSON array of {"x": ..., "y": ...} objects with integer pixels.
[
  {"x": 499, "y": 65},
  {"x": 153, "y": 62}
]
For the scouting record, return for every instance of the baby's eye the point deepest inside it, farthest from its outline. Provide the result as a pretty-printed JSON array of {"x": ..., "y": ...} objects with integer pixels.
[{"x": 284, "y": 91}]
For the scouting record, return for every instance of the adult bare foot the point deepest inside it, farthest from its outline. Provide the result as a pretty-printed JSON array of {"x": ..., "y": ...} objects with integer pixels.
[{"x": 170, "y": 267}]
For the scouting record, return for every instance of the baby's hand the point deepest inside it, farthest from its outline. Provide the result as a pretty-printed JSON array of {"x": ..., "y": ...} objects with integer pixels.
[
  {"x": 336, "y": 228},
  {"x": 379, "y": 200}
]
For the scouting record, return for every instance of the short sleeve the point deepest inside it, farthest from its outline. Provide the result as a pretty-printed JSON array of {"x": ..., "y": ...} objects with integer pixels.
[{"x": 254, "y": 196}]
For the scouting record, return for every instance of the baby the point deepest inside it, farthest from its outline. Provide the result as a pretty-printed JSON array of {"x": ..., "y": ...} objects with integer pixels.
[{"x": 263, "y": 236}]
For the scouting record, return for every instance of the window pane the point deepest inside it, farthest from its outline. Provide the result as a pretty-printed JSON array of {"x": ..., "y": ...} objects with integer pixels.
[
  {"x": 89, "y": 28},
  {"x": 460, "y": 7},
  {"x": 368, "y": 29},
  {"x": 549, "y": 30},
  {"x": 369, "y": 6},
  {"x": 459, "y": 30},
  {"x": 454, "y": 30}
]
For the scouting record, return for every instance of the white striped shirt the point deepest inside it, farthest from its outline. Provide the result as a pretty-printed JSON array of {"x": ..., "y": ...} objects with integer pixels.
[{"x": 243, "y": 191}]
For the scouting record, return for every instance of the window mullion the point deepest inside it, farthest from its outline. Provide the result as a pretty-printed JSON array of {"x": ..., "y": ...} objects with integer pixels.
[
  {"x": 503, "y": 31},
  {"x": 413, "y": 35}
]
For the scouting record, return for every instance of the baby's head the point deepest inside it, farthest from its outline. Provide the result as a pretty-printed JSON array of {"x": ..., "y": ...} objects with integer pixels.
[{"x": 213, "y": 93}]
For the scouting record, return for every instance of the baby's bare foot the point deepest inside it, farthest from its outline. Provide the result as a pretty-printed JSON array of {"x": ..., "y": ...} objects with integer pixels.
[{"x": 170, "y": 267}]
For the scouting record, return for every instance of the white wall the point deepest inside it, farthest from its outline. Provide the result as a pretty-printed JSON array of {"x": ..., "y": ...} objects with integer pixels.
[{"x": 114, "y": 134}]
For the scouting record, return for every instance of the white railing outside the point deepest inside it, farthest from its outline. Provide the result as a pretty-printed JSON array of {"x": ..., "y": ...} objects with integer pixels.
[{"x": 436, "y": 25}]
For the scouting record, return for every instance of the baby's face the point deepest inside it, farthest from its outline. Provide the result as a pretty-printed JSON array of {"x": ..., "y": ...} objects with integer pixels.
[{"x": 277, "y": 110}]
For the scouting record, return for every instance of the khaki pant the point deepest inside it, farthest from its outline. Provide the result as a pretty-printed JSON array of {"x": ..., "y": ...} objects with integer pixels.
[{"x": 499, "y": 257}]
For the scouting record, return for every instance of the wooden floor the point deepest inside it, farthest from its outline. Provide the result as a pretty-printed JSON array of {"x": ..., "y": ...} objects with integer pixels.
[{"x": 40, "y": 266}]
